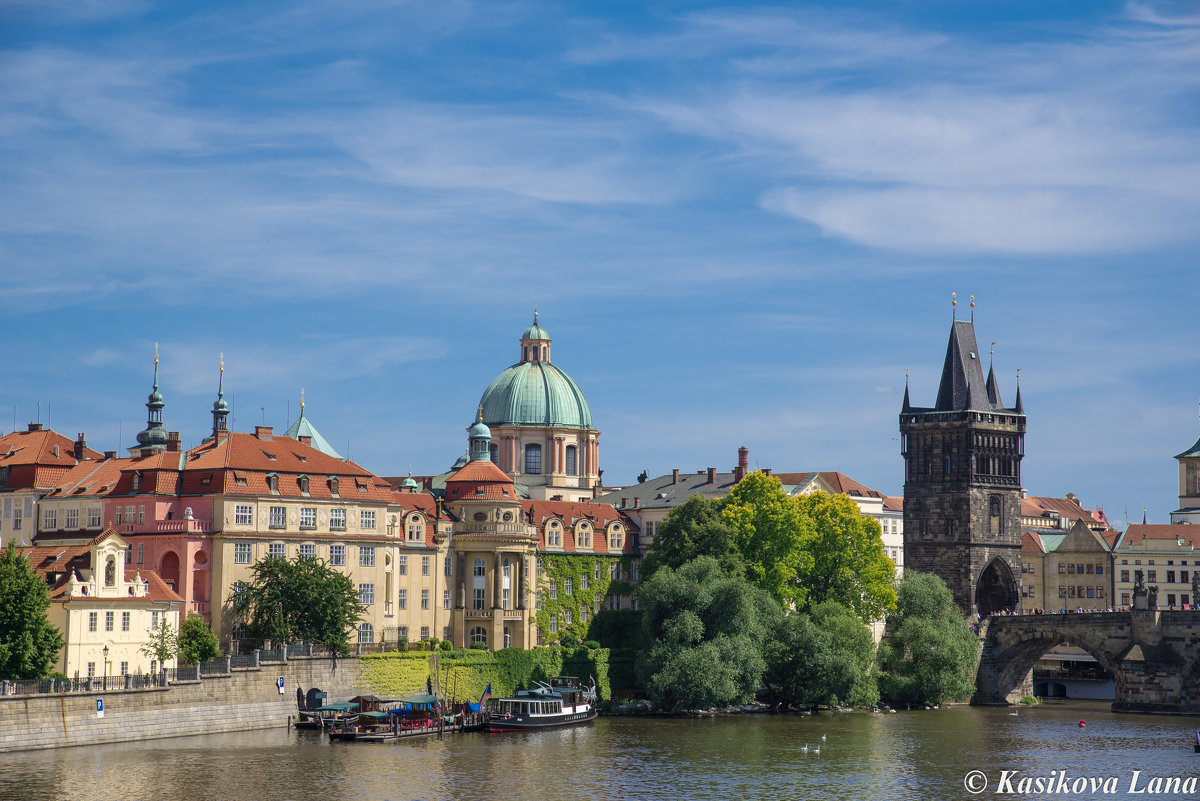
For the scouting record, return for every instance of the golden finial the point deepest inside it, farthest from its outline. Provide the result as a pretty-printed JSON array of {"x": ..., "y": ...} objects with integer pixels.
[
  {"x": 992, "y": 351},
  {"x": 156, "y": 353},
  {"x": 301, "y": 400},
  {"x": 535, "y": 313},
  {"x": 953, "y": 305},
  {"x": 479, "y": 419},
  {"x": 972, "y": 309},
  {"x": 222, "y": 361}
]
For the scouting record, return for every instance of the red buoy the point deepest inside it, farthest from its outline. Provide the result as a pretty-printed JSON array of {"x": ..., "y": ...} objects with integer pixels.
[{"x": 1083, "y": 724}]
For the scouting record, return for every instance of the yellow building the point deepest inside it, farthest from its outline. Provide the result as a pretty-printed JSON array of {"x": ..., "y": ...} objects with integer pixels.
[{"x": 1068, "y": 571}]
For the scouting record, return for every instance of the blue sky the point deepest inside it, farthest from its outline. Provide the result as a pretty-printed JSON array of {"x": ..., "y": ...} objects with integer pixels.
[{"x": 742, "y": 224}]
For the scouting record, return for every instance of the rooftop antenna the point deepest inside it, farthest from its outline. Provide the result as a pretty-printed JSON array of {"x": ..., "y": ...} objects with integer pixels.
[
  {"x": 39, "y": 410},
  {"x": 264, "y": 414}
]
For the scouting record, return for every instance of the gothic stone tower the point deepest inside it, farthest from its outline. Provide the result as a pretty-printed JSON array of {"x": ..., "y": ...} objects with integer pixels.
[{"x": 962, "y": 482}]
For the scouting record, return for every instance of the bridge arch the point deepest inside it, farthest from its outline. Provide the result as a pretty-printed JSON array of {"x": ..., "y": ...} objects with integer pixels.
[{"x": 996, "y": 589}]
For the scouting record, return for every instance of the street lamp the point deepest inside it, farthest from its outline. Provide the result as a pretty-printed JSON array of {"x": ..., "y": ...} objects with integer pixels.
[{"x": 104, "y": 651}]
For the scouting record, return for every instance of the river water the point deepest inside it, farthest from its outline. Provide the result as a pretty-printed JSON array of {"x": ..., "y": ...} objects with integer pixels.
[{"x": 906, "y": 755}]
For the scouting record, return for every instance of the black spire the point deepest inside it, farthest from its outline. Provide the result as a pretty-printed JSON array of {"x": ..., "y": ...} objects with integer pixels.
[
  {"x": 963, "y": 385},
  {"x": 907, "y": 407},
  {"x": 993, "y": 390},
  {"x": 1020, "y": 406}
]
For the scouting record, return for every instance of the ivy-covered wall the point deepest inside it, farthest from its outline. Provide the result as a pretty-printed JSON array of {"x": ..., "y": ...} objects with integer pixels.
[
  {"x": 553, "y": 572},
  {"x": 463, "y": 675}
]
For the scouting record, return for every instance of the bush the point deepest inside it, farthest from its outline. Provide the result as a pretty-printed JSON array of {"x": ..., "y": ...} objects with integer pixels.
[
  {"x": 592, "y": 644},
  {"x": 569, "y": 641},
  {"x": 479, "y": 646},
  {"x": 447, "y": 645}
]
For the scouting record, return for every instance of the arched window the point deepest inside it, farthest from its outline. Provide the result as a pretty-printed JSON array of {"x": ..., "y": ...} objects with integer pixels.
[
  {"x": 479, "y": 566},
  {"x": 110, "y": 572},
  {"x": 543, "y": 353},
  {"x": 570, "y": 467},
  {"x": 494, "y": 453},
  {"x": 478, "y": 634},
  {"x": 533, "y": 459},
  {"x": 583, "y": 536},
  {"x": 366, "y": 632}
]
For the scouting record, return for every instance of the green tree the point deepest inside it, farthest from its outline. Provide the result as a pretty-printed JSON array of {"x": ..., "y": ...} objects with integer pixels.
[
  {"x": 694, "y": 528},
  {"x": 706, "y": 631},
  {"x": 772, "y": 535},
  {"x": 197, "y": 643},
  {"x": 849, "y": 565},
  {"x": 29, "y": 643},
  {"x": 930, "y": 654},
  {"x": 162, "y": 643},
  {"x": 299, "y": 600},
  {"x": 821, "y": 658}
]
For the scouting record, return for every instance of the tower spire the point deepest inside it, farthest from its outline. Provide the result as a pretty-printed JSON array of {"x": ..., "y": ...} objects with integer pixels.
[
  {"x": 220, "y": 410},
  {"x": 154, "y": 436},
  {"x": 907, "y": 407},
  {"x": 1020, "y": 408}
]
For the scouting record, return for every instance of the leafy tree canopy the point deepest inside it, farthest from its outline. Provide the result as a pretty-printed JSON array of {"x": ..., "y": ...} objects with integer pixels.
[
  {"x": 162, "y": 643},
  {"x": 29, "y": 643},
  {"x": 772, "y": 535},
  {"x": 197, "y": 643},
  {"x": 707, "y": 631},
  {"x": 298, "y": 600},
  {"x": 849, "y": 565},
  {"x": 930, "y": 655},
  {"x": 694, "y": 528},
  {"x": 824, "y": 657}
]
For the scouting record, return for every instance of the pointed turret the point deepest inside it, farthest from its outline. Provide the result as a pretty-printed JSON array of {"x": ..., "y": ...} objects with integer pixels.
[
  {"x": 993, "y": 390},
  {"x": 220, "y": 410},
  {"x": 154, "y": 437},
  {"x": 1020, "y": 406},
  {"x": 907, "y": 407},
  {"x": 963, "y": 386}
]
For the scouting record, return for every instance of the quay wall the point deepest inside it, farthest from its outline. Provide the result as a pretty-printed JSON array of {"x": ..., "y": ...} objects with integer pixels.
[{"x": 245, "y": 699}]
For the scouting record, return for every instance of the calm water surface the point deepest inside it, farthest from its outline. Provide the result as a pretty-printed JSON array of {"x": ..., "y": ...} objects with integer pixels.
[{"x": 907, "y": 755}]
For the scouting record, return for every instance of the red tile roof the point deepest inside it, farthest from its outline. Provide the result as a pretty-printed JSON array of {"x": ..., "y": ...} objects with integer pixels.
[
  {"x": 1138, "y": 533},
  {"x": 601, "y": 515},
  {"x": 70, "y": 560},
  {"x": 480, "y": 480},
  {"x": 1031, "y": 543}
]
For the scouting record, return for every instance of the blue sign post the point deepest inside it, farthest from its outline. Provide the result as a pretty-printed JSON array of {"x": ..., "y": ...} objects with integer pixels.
[
  {"x": 99, "y": 707},
  {"x": 280, "y": 685}
]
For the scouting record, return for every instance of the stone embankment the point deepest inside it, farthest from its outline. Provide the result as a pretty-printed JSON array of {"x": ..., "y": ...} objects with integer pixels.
[{"x": 240, "y": 700}]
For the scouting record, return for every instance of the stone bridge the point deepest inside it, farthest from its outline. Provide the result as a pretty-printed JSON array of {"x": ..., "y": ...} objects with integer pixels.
[{"x": 1154, "y": 656}]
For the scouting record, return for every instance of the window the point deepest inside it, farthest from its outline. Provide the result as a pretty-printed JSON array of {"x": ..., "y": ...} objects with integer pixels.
[
  {"x": 366, "y": 556},
  {"x": 416, "y": 529},
  {"x": 584, "y": 537},
  {"x": 569, "y": 586},
  {"x": 273, "y": 483},
  {"x": 366, "y": 632},
  {"x": 278, "y": 517},
  {"x": 478, "y": 598},
  {"x": 1071, "y": 569},
  {"x": 583, "y": 582},
  {"x": 570, "y": 460},
  {"x": 479, "y": 634},
  {"x": 337, "y": 519},
  {"x": 402, "y": 565},
  {"x": 567, "y": 617},
  {"x": 1124, "y": 575},
  {"x": 1171, "y": 577},
  {"x": 109, "y": 620},
  {"x": 445, "y": 599},
  {"x": 366, "y": 594},
  {"x": 16, "y": 518},
  {"x": 141, "y": 553},
  {"x": 553, "y": 535},
  {"x": 308, "y": 551},
  {"x": 337, "y": 555},
  {"x": 366, "y": 519},
  {"x": 91, "y": 670},
  {"x": 333, "y": 486},
  {"x": 583, "y": 614},
  {"x": 424, "y": 599},
  {"x": 1099, "y": 570},
  {"x": 506, "y": 598},
  {"x": 93, "y": 517},
  {"x": 93, "y": 621},
  {"x": 303, "y": 482},
  {"x": 616, "y": 539},
  {"x": 243, "y": 514},
  {"x": 1124, "y": 599},
  {"x": 554, "y": 591},
  {"x": 308, "y": 517},
  {"x": 276, "y": 550},
  {"x": 141, "y": 515},
  {"x": 49, "y": 519},
  {"x": 241, "y": 553},
  {"x": 554, "y": 624},
  {"x": 402, "y": 601},
  {"x": 533, "y": 459},
  {"x": 449, "y": 565},
  {"x": 424, "y": 632},
  {"x": 1152, "y": 576},
  {"x": 125, "y": 621},
  {"x": 597, "y": 569},
  {"x": 124, "y": 668},
  {"x": 425, "y": 565},
  {"x": 72, "y": 518},
  {"x": 154, "y": 616},
  {"x": 479, "y": 568}
]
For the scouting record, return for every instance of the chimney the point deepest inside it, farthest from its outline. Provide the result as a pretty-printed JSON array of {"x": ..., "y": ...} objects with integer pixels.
[
  {"x": 712, "y": 475},
  {"x": 305, "y": 439},
  {"x": 766, "y": 471},
  {"x": 624, "y": 502},
  {"x": 57, "y": 451},
  {"x": 264, "y": 432},
  {"x": 1071, "y": 497},
  {"x": 222, "y": 435},
  {"x": 80, "y": 448},
  {"x": 743, "y": 465},
  {"x": 173, "y": 445},
  {"x": 35, "y": 426},
  {"x": 637, "y": 502},
  {"x": 110, "y": 454},
  {"x": 675, "y": 476}
]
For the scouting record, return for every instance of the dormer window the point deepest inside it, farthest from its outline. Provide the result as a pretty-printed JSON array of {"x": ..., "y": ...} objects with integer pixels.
[
  {"x": 273, "y": 483},
  {"x": 333, "y": 485},
  {"x": 137, "y": 482},
  {"x": 303, "y": 481}
]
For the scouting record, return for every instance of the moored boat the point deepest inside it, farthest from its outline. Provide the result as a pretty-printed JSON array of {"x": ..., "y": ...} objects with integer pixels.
[{"x": 562, "y": 702}]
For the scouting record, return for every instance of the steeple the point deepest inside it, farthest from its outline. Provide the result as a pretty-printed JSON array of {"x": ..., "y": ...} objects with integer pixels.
[
  {"x": 1020, "y": 406},
  {"x": 963, "y": 385},
  {"x": 154, "y": 436},
  {"x": 220, "y": 410},
  {"x": 481, "y": 439},
  {"x": 907, "y": 407}
]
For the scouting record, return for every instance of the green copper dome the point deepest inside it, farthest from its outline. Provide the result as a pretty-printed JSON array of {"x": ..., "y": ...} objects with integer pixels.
[
  {"x": 535, "y": 394},
  {"x": 535, "y": 331}
]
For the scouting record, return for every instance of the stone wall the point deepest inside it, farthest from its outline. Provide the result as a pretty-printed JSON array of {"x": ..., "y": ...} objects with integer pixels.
[{"x": 246, "y": 699}]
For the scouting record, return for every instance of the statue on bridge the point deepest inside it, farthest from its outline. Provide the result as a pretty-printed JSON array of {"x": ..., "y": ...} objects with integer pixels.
[
  {"x": 1152, "y": 601},
  {"x": 1139, "y": 583}
]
